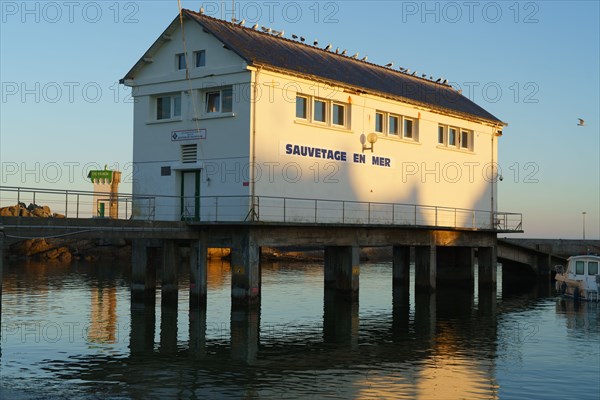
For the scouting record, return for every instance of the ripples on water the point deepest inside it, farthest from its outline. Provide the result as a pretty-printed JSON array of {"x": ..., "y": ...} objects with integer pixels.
[{"x": 67, "y": 331}]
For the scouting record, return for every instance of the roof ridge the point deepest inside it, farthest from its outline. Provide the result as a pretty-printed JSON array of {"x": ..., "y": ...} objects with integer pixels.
[{"x": 388, "y": 69}]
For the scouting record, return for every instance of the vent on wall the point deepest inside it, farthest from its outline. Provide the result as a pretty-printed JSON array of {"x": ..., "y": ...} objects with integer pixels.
[{"x": 189, "y": 153}]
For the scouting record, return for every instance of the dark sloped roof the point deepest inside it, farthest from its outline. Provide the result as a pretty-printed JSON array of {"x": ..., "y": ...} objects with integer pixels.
[{"x": 259, "y": 48}]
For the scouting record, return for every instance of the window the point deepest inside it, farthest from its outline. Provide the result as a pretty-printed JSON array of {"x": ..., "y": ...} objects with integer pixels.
[
  {"x": 219, "y": 101},
  {"x": 200, "y": 58},
  {"x": 441, "y": 134},
  {"x": 465, "y": 139},
  {"x": 320, "y": 111},
  {"x": 408, "y": 128},
  {"x": 168, "y": 107},
  {"x": 338, "y": 114},
  {"x": 180, "y": 60},
  {"x": 579, "y": 265},
  {"x": 393, "y": 125},
  {"x": 379, "y": 122},
  {"x": 301, "y": 107},
  {"x": 314, "y": 110},
  {"x": 451, "y": 136},
  {"x": 592, "y": 267}
]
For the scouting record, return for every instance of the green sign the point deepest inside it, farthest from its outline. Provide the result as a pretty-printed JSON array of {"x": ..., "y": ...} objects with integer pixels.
[{"x": 100, "y": 175}]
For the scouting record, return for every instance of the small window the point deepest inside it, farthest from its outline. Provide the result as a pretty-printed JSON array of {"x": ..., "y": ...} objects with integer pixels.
[
  {"x": 200, "y": 57},
  {"x": 464, "y": 139},
  {"x": 409, "y": 128},
  {"x": 451, "y": 136},
  {"x": 180, "y": 59},
  {"x": 301, "y": 107},
  {"x": 168, "y": 107},
  {"x": 592, "y": 267},
  {"x": 393, "y": 125},
  {"x": 227, "y": 100},
  {"x": 441, "y": 134},
  {"x": 213, "y": 102},
  {"x": 338, "y": 115},
  {"x": 320, "y": 111},
  {"x": 579, "y": 267},
  {"x": 379, "y": 122}
]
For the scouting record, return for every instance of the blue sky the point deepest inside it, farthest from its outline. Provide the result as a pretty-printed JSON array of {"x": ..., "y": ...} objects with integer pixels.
[{"x": 532, "y": 64}]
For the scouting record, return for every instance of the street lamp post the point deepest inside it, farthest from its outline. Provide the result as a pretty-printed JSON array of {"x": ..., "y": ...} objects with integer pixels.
[{"x": 583, "y": 213}]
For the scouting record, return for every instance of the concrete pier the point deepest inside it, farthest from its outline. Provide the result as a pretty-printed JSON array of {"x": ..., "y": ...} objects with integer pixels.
[
  {"x": 401, "y": 265},
  {"x": 143, "y": 322},
  {"x": 198, "y": 273},
  {"x": 197, "y": 332},
  {"x": 145, "y": 256},
  {"x": 425, "y": 267},
  {"x": 340, "y": 319},
  {"x": 342, "y": 270},
  {"x": 487, "y": 261},
  {"x": 168, "y": 329},
  {"x": 171, "y": 261},
  {"x": 245, "y": 269}
]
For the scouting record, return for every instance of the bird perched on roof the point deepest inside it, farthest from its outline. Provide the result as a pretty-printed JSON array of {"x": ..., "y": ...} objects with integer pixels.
[
  {"x": 294, "y": 36},
  {"x": 328, "y": 47},
  {"x": 581, "y": 122},
  {"x": 364, "y": 58},
  {"x": 201, "y": 10},
  {"x": 439, "y": 80},
  {"x": 445, "y": 82},
  {"x": 316, "y": 43},
  {"x": 355, "y": 55},
  {"x": 234, "y": 20},
  {"x": 337, "y": 50},
  {"x": 255, "y": 26},
  {"x": 302, "y": 39},
  {"x": 242, "y": 22},
  {"x": 344, "y": 52},
  {"x": 389, "y": 65}
]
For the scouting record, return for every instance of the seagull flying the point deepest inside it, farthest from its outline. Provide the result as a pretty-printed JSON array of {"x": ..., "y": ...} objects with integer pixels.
[{"x": 581, "y": 122}]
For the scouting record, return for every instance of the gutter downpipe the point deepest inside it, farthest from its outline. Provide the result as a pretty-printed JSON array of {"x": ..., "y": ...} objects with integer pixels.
[{"x": 253, "y": 104}]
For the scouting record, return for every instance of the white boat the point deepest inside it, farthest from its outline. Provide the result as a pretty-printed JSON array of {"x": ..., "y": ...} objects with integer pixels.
[{"x": 581, "y": 278}]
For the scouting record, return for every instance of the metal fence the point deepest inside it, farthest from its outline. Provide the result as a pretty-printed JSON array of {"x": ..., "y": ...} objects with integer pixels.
[{"x": 82, "y": 204}]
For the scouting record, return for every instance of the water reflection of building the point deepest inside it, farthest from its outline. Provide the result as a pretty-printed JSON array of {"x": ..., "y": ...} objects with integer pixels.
[{"x": 103, "y": 319}]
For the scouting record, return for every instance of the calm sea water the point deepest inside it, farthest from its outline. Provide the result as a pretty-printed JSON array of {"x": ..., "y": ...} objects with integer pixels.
[{"x": 72, "y": 332}]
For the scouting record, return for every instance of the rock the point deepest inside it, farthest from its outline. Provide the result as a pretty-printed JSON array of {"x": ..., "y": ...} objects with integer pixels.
[
  {"x": 32, "y": 247},
  {"x": 65, "y": 257},
  {"x": 57, "y": 253}
]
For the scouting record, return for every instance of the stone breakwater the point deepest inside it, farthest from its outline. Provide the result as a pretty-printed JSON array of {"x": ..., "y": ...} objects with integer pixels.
[{"x": 32, "y": 210}]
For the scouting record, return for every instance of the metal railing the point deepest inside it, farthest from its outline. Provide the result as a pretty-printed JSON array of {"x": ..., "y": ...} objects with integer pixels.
[{"x": 81, "y": 204}]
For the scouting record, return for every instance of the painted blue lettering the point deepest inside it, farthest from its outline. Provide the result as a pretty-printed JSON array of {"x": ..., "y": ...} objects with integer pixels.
[
  {"x": 288, "y": 149},
  {"x": 296, "y": 150}
]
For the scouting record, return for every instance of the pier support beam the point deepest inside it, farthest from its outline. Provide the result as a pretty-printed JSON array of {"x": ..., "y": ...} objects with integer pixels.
[
  {"x": 342, "y": 270},
  {"x": 198, "y": 274},
  {"x": 401, "y": 265},
  {"x": 1, "y": 266},
  {"x": 171, "y": 259},
  {"x": 487, "y": 260},
  {"x": 197, "y": 343},
  {"x": 143, "y": 321},
  {"x": 425, "y": 267},
  {"x": 456, "y": 265},
  {"x": 143, "y": 271},
  {"x": 245, "y": 269}
]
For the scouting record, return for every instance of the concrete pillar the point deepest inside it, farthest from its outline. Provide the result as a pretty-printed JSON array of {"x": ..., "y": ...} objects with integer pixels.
[
  {"x": 342, "y": 270},
  {"x": 487, "y": 261},
  {"x": 401, "y": 265},
  {"x": 143, "y": 271},
  {"x": 141, "y": 335},
  {"x": 245, "y": 331},
  {"x": 425, "y": 267},
  {"x": 455, "y": 266},
  {"x": 198, "y": 272},
  {"x": 169, "y": 274},
  {"x": 340, "y": 319},
  {"x": 197, "y": 342},
  {"x": 245, "y": 269}
]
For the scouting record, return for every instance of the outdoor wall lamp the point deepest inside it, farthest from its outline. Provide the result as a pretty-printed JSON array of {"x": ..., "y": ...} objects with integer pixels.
[{"x": 371, "y": 138}]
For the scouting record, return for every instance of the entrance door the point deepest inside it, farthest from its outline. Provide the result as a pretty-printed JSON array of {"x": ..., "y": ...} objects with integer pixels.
[{"x": 190, "y": 195}]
